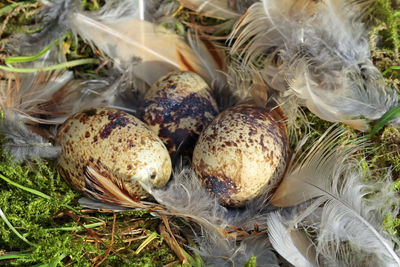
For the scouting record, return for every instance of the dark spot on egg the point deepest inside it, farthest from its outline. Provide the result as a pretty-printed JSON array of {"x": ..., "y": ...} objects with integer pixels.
[
  {"x": 114, "y": 123},
  {"x": 86, "y": 114},
  {"x": 90, "y": 112},
  {"x": 130, "y": 143},
  {"x": 166, "y": 112},
  {"x": 66, "y": 129},
  {"x": 228, "y": 143},
  {"x": 87, "y": 134}
]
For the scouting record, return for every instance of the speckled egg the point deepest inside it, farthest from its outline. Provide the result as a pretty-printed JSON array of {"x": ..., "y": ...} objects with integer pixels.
[
  {"x": 177, "y": 108},
  {"x": 242, "y": 154},
  {"x": 115, "y": 141}
]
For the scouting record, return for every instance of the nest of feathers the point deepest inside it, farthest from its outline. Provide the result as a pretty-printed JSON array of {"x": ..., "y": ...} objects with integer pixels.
[{"x": 271, "y": 68}]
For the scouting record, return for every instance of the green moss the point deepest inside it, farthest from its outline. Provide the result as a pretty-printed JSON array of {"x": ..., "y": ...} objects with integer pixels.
[
  {"x": 385, "y": 38},
  {"x": 387, "y": 151},
  {"x": 36, "y": 217},
  {"x": 384, "y": 12},
  {"x": 32, "y": 215},
  {"x": 251, "y": 263},
  {"x": 391, "y": 224}
]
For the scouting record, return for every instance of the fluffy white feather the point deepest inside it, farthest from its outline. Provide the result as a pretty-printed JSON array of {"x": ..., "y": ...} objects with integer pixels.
[
  {"x": 319, "y": 52},
  {"x": 328, "y": 175},
  {"x": 289, "y": 242},
  {"x": 349, "y": 217},
  {"x": 185, "y": 196},
  {"x": 219, "y": 252}
]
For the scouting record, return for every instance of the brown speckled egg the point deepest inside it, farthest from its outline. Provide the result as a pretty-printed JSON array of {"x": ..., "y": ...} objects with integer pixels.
[
  {"x": 242, "y": 154},
  {"x": 115, "y": 141},
  {"x": 177, "y": 108}
]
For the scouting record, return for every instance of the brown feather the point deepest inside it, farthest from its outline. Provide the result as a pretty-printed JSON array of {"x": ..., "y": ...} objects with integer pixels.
[{"x": 102, "y": 185}]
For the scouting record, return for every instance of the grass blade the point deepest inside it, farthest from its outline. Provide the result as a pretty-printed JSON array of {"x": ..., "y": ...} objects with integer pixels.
[
  {"x": 385, "y": 119},
  {"x": 390, "y": 69},
  {"x": 15, "y": 230},
  {"x": 10, "y": 60},
  {"x": 35, "y": 192},
  {"x": 13, "y": 256},
  {"x": 65, "y": 65},
  {"x": 146, "y": 242}
]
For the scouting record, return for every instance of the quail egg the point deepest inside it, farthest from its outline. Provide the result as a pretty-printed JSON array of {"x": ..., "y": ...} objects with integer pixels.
[
  {"x": 177, "y": 108},
  {"x": 118, "y": 144},
  {"x": 242, "y": 154}
]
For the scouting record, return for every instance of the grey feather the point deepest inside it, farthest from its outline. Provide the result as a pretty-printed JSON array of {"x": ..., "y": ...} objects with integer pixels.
[
  {"x": 319, "y": 52},
  {"x": 289, "y": 242},
  {"x": 222, "y": 252},
  {"x": 23, "y": 144},
  {"x": 338, "y": 212},
  {"x": 93, "y": 204},
  {"x": 185, "y": 195},
  {"x": 52, "y": 19}
]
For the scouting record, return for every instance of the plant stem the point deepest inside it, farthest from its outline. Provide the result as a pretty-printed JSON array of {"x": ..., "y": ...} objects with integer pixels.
[
  {"x": 77, "y": 228},
  {"x": 11, "y": 60},
  {"x": 54, "y": 67},
  {"x": 13, "y": 256}
]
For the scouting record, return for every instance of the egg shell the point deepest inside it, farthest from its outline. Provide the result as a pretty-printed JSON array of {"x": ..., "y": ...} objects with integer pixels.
[
  {"x": 177, "y": 108},
  {"x": 116, "y": 141},
  {"x": 242, "y": 154}
]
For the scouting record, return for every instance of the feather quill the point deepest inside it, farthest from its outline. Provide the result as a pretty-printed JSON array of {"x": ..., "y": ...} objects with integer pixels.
[
  {"x": 317, "y": 51},
  {"x": 330, "y": 176}
]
